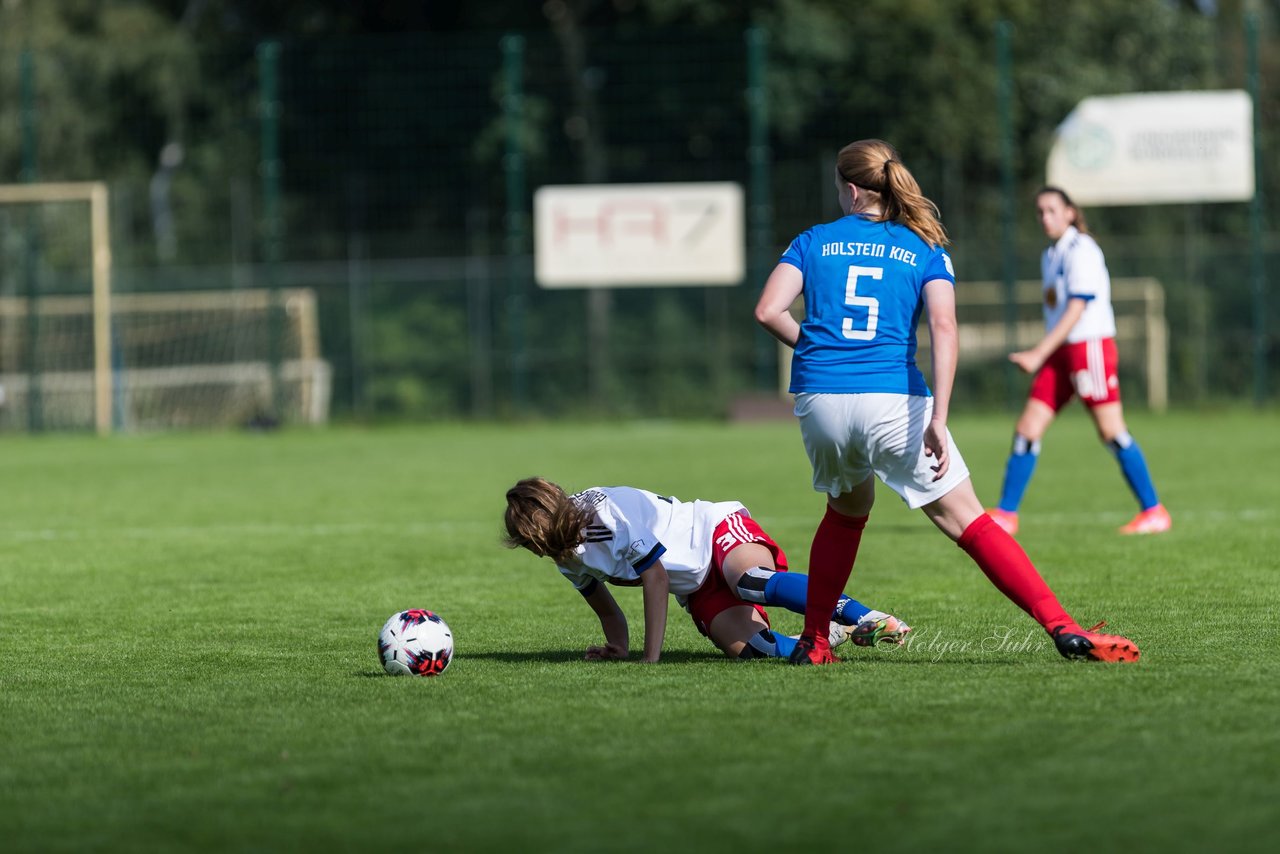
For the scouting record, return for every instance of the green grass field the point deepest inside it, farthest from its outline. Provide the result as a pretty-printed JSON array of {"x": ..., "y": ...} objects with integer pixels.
[{"x": 187, "y": 654}]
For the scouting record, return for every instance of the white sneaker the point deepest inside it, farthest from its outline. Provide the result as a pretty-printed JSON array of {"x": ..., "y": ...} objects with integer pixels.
[
  {"x": 878, "y": 627},
  {"x": 838, "y": 634}
]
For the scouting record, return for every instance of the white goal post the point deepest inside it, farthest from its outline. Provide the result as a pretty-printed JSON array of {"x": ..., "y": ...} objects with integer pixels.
[
  {"x": 71, "y": 359},
  {"x": 1141, "y": 329},
  {"x": 95, "y": 193},
  {"x": 186, "y": 359}
]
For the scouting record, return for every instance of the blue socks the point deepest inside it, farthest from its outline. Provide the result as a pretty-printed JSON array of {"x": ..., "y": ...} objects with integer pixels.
[
  {"x": 1017, "y": 473},
  {"x": 791, "y": 589},
  {"x": 850, "y": 610},
  {"x": 1134, "y": 467},
  {"x": 784, "y": 643},
  {"x": 788, "y": 589},
  {"x": 1022, "y": 463}
]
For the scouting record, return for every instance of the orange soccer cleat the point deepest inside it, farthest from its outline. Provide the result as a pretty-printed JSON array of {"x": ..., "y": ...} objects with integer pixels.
[
  {"x": 1153, "y": 520},
  {"x": 1094, "y": 647},
  {"x": 1006, "y": 519}
]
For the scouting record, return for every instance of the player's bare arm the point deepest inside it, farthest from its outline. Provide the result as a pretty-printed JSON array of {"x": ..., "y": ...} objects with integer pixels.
[
  {"x": 613, "y": 622},
  {"x": 773, "y": 311},
  {"x": 940, "y": 299},
  {"x": 1031, "y": 360},
  {"x": 656, "y": 587}
]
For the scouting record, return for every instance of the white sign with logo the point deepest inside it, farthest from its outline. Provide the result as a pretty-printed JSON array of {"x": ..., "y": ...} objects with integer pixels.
[
  {"x": 638, "y": 234},
  {"x": 1156, "y": 148}
]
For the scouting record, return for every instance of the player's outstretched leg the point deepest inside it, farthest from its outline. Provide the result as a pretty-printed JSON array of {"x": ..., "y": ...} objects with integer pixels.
[
  {"x": 1007, "y": 566},
  {"x": 867, "y": 626}
]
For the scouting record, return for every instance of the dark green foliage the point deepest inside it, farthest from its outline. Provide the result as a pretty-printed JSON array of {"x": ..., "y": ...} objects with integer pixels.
[{"x": 393, "y": 139}]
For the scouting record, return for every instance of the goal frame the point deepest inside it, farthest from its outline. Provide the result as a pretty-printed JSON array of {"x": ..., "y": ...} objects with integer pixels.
[{"x": 95, "y": 193}]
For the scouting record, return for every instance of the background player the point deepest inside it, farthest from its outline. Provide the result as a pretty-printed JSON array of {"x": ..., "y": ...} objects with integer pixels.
[
  {"x": 713, "y": 556},
  {"x": 1076, "y": 356},
  {"x": 863, "y": 405}
]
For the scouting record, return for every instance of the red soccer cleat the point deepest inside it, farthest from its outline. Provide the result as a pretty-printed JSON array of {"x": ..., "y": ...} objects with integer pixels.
[
  {"x": 1006, "y": 519},
  {"x": 1092, "y": 647},
  {"x": 812, "y": 651},
  {"x": 1153, "y": 520}
]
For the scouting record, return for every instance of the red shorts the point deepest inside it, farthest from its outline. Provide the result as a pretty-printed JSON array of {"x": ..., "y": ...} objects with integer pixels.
[
  {"x": 715, "y": 595},
  {"x": 1086, "y": 368}
]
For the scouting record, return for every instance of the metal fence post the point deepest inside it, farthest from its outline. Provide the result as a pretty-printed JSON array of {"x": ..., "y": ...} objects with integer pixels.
[
  {"x": 1008, "y": 207},
  {"x": 514, "y": 169},
  {"x": 269, "y": 80},
  {"x": 759, "y": 195},
  {"x": 31, "y": 265},
  {"x": 1257, "y": 264}
]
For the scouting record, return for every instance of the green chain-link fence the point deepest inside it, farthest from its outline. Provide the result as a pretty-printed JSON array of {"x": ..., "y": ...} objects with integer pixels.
[{"x": 406, "y": 166}]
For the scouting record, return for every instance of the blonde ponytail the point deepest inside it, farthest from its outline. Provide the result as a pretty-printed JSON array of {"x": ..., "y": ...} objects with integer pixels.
[{"x": 873, "y": 166}]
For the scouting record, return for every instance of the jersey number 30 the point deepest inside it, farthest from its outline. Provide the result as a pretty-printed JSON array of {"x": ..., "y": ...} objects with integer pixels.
[{"x": 872, "y": 304}]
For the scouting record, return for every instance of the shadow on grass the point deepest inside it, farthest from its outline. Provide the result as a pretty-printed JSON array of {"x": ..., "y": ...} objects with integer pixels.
[
  {"x": 573, "y": 656},
  {"x": 566, "y": 656}
]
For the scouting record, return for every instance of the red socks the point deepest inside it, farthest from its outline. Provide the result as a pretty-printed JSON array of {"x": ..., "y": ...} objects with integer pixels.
[
  {"x": 1011, "y": 571},
  {"x": 831, "y": 557}
]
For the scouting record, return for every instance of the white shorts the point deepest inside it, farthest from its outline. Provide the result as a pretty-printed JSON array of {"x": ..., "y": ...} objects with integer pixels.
[{"x": 850, "y": 436}]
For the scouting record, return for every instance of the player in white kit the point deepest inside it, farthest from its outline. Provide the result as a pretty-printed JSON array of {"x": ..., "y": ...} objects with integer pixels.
[
  {"x": 716, "y": 560},
  {"x": 1077, "y": 356}
]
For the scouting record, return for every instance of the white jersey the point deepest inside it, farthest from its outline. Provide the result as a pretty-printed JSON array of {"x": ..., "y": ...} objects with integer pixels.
[
  {"x": 1074, "y": 268},
  {"x": 634, "y": 528}
]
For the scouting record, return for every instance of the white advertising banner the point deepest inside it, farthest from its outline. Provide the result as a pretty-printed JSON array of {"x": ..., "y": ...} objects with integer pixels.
[
  {"x": 1156, "y": 148},
  {"x": 612, "y": 235}
]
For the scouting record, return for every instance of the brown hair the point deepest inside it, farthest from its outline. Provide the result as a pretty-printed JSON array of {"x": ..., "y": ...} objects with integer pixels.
[
  {"x": 1079, "y": 221},
  {"x": 542, "y": 518},
  {"x": 874, "y": 166}
]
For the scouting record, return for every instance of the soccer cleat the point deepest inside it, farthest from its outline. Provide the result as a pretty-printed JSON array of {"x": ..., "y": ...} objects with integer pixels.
[
  {"x": 1093, "y": 647},
  {"x": 878, "y": 627},
  {"x": 837, "y": 634},
  {"x": 812, "y": 651},
  {"x": 1006, "y": 519},
  {"x": 1153, "y": 520}
]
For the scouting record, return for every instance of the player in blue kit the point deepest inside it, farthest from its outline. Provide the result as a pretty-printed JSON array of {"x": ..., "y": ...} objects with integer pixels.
[{"x": 864, "y": 406}]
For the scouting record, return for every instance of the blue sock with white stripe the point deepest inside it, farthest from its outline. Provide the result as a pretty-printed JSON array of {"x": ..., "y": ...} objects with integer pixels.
[
  {"x": 1134, "y": 467},
  {"x": 791, "y": 590},
  {"x": 849, "y": 610},
  {"x": 1017, "y": 472}
]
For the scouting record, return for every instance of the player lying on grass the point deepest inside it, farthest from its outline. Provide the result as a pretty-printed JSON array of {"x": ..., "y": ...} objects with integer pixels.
[{"x": 721, "y": 566}]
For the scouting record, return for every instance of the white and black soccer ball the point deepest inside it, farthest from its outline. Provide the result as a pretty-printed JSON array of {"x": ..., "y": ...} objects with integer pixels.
[{"x": 415, "y": 643}]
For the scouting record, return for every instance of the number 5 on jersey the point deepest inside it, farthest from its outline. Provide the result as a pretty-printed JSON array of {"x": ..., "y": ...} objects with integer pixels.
[{"x": 872, "y": 304}]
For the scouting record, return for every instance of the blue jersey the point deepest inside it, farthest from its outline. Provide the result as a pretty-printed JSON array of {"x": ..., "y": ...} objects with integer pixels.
[{"x": 863, "y": 284}]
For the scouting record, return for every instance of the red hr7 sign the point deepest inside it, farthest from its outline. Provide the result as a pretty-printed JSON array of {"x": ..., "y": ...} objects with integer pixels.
[{"x": 638, "y": 234}]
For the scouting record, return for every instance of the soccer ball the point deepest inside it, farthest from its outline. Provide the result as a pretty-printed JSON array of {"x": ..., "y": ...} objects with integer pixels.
[{"x": 415, "y": 643}]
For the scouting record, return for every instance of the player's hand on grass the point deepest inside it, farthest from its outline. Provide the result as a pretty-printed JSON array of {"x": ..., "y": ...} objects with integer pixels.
[
  {"x": 1029, "y": 361},
  {"x": 935, "y": 445},
  {"x": 607, "y": 652}
]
